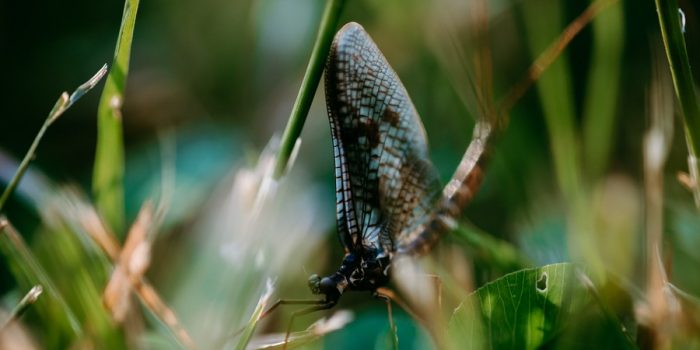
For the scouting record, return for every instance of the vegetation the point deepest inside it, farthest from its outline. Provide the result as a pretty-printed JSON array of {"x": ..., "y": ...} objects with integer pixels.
[{"x": 582, "y": 235}]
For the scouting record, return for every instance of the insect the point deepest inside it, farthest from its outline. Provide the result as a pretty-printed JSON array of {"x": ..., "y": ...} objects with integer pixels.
[{"x": 388, "y": 197}]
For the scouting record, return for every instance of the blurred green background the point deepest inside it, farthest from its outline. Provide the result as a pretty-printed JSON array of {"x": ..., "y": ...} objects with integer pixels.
[{"x": 218, "y": 79}]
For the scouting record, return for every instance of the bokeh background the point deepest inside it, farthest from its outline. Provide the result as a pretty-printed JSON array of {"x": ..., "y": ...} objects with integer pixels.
[{"x": 213, "y": 81}]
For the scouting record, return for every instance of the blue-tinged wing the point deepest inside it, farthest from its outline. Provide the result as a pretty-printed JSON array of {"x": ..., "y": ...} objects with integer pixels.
[{"x": 385, "y": 182}]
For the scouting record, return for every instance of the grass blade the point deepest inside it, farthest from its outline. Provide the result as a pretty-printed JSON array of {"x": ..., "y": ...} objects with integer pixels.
[
  {"x": 547, "y": 57},
  {"x": 679, "y": 64},
  {"x": 29, "y": 299},
  {"x": 602, "y": 91},
  {"x": 62, "y": 104},
  {"x": 556, "y": 96},
  {"x": 27, "y": 266},
  {"x": 499, "y": 253},
  {"x": 312, "y": 77},
  {"x": 677, "y": 55},
  {"x": 249, "y": 329},
  {"x": 108, "y": 174}
]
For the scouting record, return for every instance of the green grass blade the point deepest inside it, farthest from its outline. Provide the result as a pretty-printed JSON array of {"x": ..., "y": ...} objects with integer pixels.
[
  {"x": 108, "y": 174},
  {"x": 249, "y": 329},
  {"x": 677, "y": 54},
  {"x": 26, "y": 266},
  {"x": 556, "y": 95},
  {"x": 497, "y": 252},
  {"x": 602, "y": 92},
  {"x": 555, "y": 90},
  {"x": 312, "y": 77},
  {"x": 62, "y": 104}
]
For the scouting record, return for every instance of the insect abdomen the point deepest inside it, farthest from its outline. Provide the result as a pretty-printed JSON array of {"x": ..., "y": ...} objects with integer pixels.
[{"x": 456, "y": 195}]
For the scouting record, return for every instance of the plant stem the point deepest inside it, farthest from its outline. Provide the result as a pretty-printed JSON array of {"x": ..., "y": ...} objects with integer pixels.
[
  {"x": 312, "y": 77},
  {"x": 108, "y": 175},
  {"x": 29, "y": 156}
]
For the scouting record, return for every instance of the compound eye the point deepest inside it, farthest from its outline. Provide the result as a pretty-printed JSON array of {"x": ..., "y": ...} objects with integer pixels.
[{"x": 315, "y": 284}]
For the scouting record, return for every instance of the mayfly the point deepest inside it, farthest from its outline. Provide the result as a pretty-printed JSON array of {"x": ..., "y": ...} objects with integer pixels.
[{"x": 388, "y": 197}]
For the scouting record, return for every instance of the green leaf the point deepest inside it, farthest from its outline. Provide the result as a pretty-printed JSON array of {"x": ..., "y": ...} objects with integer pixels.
[{"x": 526, "y": 310}]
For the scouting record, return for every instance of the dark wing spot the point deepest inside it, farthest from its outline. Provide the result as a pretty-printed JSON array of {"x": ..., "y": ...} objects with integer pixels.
[
  {"x": 372, "y": 131},
  {"x": 391, "y": 117}
]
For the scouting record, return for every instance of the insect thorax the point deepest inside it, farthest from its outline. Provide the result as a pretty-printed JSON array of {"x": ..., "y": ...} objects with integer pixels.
[{"x": 359, "y": 271}]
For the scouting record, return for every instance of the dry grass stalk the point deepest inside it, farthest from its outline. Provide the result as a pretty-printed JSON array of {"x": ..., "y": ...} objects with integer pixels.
[{"x": 131, "y": 263}]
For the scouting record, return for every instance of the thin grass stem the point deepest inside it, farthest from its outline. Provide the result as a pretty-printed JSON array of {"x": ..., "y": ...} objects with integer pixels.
[
  {"x": 28, "y": 300},
  {"x": 312, "y": 77},
  {"x": 62, "y": 104}
]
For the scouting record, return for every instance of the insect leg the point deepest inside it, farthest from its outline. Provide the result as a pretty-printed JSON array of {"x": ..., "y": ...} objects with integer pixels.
[
  {"x": 273, "y": 307},
  {"x": 423, "y": 321},
  {"x": 438, "y": 288},
  {"x": 392, "y": 325},
  {"x": 291, "y": 302},
  {"x": 386, "y": 292},
  {"x": 308, "y": 310}
]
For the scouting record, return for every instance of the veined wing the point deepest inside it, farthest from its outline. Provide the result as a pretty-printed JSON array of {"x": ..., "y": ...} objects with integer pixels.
[{"x": 385, "y": 182}]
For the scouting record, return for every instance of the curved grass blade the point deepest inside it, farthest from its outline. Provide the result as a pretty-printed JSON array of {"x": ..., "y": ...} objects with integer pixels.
[
  {"x": 679, "y": 63},
  {"x": 672, "y": 28},
  {"x": 64, "y": 102},
  {"x": 249, "y": 329}
]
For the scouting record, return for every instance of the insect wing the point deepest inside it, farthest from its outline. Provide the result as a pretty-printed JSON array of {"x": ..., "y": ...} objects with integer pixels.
[{"x": 385, "y": 182}]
